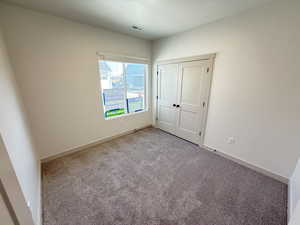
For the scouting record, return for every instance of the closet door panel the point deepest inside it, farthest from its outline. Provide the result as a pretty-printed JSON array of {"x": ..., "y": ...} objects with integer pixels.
[
  {"x": 167, "y": 113},
  {"x": 191, "y": 95}
]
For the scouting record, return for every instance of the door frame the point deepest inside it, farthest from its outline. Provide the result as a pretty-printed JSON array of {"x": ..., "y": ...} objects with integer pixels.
[
  {"x": 210, "y": 58},
  {"x": 11, "y": 191}
]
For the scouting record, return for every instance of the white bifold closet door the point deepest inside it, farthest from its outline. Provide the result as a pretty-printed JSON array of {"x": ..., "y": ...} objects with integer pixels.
[{"x": 183, "y": 92}]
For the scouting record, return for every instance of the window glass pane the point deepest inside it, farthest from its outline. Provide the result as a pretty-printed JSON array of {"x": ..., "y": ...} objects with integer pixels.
[
  {"x": 135, "y": 86},
  {"x": 123, "y": 87},
  {"x": 113, "y": 88}
]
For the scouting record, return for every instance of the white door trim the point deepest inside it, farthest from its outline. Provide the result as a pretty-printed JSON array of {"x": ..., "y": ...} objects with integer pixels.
[
  {"x": 11, "y": 190},
  {"x": 185, "y": 59}
]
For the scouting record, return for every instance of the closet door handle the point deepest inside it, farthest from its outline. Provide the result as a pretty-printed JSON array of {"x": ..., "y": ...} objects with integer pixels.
[
  {"x": 177, "y": 106},
  {"x": 174, "y": 105}
]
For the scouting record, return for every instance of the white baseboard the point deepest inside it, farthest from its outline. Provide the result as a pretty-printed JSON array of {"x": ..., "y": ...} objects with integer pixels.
[
  {"x": 92, "y": 144},
  {"x": 249, "y": 165}
]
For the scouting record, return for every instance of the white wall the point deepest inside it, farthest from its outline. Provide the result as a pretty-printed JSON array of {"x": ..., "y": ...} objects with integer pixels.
[
  {"x": 16, "y": 136},
  {"x": 256, "y": 83},
  {"x": 56, "y": 67}
]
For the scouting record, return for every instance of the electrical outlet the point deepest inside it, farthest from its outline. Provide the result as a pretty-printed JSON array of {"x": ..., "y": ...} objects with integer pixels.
[{"x": 231, "y": 140}]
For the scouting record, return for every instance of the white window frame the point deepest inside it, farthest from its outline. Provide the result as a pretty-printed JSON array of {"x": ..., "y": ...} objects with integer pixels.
[{"x": 126, "y": 59}]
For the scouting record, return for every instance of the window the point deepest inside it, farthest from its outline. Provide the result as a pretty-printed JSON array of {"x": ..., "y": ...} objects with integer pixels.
[{"x": 122, "y": 87}]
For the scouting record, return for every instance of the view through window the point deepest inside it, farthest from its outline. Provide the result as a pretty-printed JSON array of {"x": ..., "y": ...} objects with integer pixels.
[{"x": 123, "y": 87}]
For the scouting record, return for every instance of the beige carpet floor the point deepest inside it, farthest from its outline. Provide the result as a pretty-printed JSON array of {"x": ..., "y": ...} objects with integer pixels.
[{"x": 153, "y": 178}]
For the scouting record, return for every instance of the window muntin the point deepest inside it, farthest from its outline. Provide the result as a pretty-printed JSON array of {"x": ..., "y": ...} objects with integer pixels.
[{"x": 123, "y": 87}]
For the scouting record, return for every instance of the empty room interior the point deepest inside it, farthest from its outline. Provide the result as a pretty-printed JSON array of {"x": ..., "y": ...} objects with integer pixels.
[{"x": 149, "y": 112}]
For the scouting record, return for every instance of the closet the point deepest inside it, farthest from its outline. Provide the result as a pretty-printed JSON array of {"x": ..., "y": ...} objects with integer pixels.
[{"x": 183, "y": 89}]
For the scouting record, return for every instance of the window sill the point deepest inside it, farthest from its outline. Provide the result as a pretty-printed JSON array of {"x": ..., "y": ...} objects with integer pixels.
[{"x": 125, "y": 115}]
